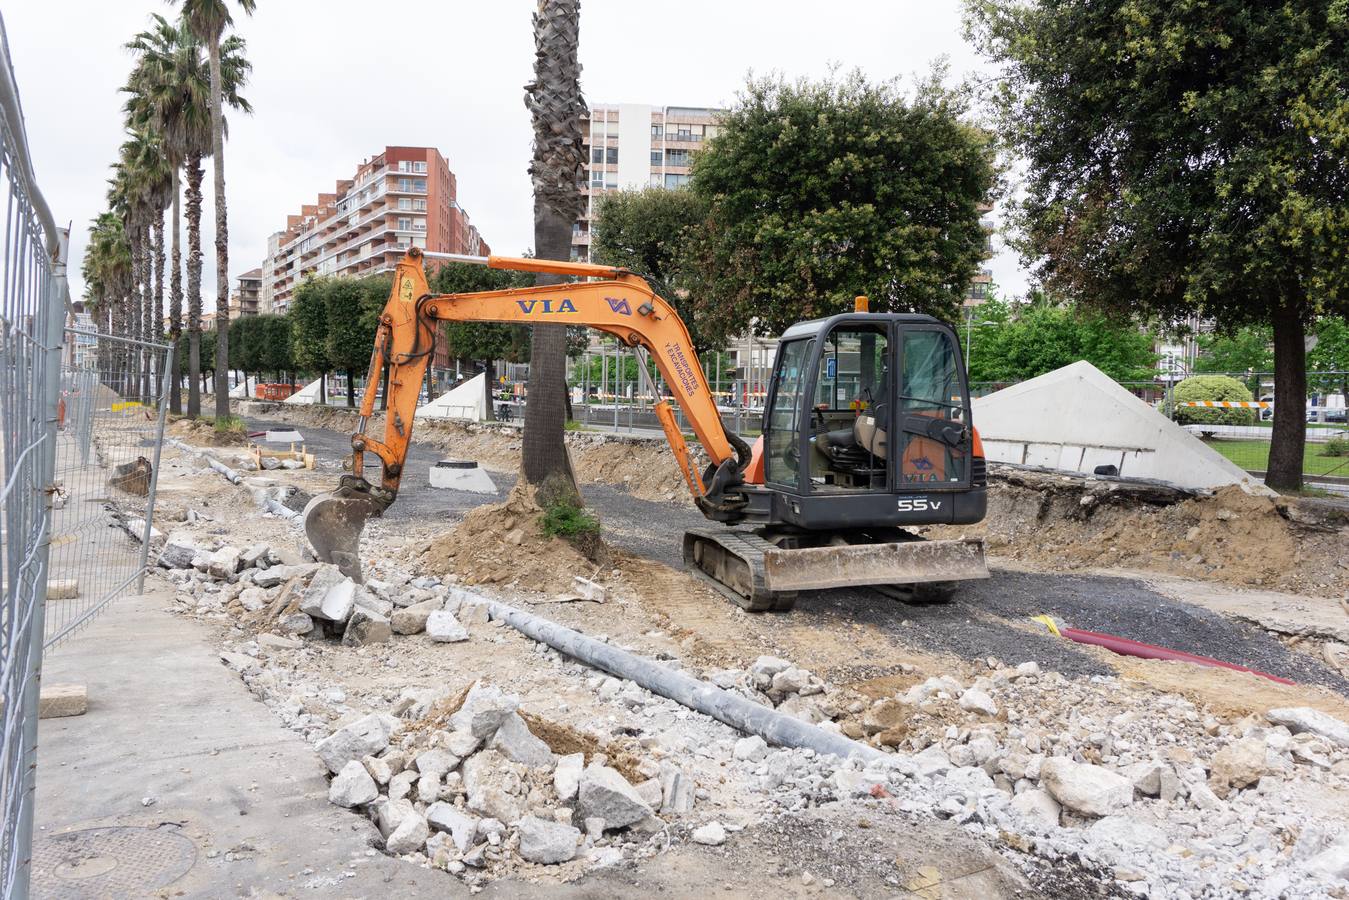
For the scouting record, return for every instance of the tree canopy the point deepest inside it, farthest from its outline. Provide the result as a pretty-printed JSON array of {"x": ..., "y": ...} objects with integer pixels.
[
  {"x": 652, "y": 232},
  {"x": 1013, "y": 342},
  {"x": 308, "y": 315},
  {"x": 1185, "y": 158},
  {"x": 820, "y": 191}
]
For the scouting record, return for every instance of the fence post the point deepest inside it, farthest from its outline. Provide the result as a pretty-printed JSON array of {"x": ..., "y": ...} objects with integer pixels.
[{"x": 153, "y": 487}]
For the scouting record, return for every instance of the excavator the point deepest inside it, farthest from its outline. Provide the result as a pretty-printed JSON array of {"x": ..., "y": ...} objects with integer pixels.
[{"x": 866, "y": 435}]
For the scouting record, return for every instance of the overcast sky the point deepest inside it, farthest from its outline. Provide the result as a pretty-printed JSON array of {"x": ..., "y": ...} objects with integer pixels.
[{"x": 335, "y": 81}]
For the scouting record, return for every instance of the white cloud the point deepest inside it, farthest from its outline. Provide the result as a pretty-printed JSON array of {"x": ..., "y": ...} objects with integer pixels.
[{"x": 334, "y": 81}]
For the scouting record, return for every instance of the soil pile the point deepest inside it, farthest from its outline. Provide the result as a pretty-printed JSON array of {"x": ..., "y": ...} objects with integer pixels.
[
  {"x": 1232, "y": 536},
  {"x": 201, "y": 433},
  {"x": 503, "y": 544}
]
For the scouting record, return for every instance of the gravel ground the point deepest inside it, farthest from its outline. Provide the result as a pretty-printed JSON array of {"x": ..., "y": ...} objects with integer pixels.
[{"x": 987, "y": 618}]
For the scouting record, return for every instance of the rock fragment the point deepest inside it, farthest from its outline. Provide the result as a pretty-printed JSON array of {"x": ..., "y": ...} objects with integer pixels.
[
  {"x": 442, "y": 627},
  {"x": 412, "y": 619},
  {"x": 514, "y": 741},
  {"x": 567, "y": 775},
  {"x": 364, "y": 737},
  {"x": 365, "y": 627},
  {"x": 605, "y": 793},
  {"x": 1298, "y": 719},
  {"x": 352, "y": 786},
  {"x": 547, "y": 843},
  {"x": 713, "y": 834},
  {"x": 1084, "y": 788}
]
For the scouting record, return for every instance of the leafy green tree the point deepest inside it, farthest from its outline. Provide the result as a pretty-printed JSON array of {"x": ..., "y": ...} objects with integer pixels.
[
  {"x": 818, "y": 192},
  {"x": 245, "y": 345},
  {"x": 308, "y": 316},
  {"x": 1246, "y": 350},
  {"x": 274, "y": 346},
  {"x": 1185, "y": 158},
  {"x": 652, "y": 232},
  {"x": 351, "y": 333},
  {"x": 1212, "y": 387},
  {"x": 1331, "y": 356},
  {"x": 1016, "y": 342}
]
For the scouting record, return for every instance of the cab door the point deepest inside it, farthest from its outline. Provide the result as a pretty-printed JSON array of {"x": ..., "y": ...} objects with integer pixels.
[{"x": 932, "y": 435}]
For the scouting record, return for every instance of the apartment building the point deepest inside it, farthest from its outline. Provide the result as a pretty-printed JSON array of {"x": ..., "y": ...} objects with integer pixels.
[
  {"x": 246, "y": 299},
  {"x": 630, "y": 145},
  {"x": 399, "y": 198}
]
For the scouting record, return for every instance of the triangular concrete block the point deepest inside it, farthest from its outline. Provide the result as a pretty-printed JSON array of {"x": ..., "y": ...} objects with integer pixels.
[
  {"x": 1077, "y": 418},
  {"x": 307, "y": 394},
  {"x": 463, "y": 402}
]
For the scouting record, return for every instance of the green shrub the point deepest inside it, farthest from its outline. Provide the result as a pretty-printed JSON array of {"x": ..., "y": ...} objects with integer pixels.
[
  {"x": 1212, "y": 387},
  {"x": 565, "y": 517},
  {"x": 230, "y": 425},
  {"x": 1336, "y": 446}
]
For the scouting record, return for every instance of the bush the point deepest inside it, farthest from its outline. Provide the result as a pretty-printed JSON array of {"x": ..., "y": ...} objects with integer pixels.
[
  {"x": 1212, "y": 387},
  {"x": 1336, "y": 446},
  {"x": 565, "y": 517}
]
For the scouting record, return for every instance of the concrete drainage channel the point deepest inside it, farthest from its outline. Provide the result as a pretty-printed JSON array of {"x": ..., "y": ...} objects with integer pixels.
[{"x": 479, "y": 786}]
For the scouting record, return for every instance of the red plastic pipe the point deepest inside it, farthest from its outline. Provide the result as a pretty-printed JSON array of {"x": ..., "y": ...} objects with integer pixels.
[{"x": 1126, "y": 647}]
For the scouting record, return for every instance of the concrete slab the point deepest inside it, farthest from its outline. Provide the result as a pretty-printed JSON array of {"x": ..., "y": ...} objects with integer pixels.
[
  {"x": 458, "y": 475},
  {"x": 1077, "y": 418},
  {"x": 59, "y": 700},
  {"x": 286, "y": 436}
]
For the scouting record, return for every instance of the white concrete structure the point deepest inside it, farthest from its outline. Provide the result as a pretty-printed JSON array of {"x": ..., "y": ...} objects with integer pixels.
[
  {"x": 240, "y": 390},
  {"x": 461, "y": 476},
  {"x": 308, "y": 394},
  {"x": 1077, "y": 418},
  {"x": 467, "y": 401}
]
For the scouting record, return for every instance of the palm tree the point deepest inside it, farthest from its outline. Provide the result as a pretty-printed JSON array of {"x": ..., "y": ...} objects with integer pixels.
[
  {"x": 149, "y": 179},
  {"x": 208, "y": 19},
  {"x": 558, "y": 172},
  {"x": 171, "y": 88},
  {"x": 106, "y": 268}
]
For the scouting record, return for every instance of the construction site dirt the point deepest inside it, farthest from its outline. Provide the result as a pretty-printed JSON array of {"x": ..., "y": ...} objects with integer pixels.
[{"x": 970, "y": 689}]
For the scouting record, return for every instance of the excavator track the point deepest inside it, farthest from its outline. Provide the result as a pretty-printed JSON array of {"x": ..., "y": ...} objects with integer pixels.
[{"x": 732, "y": 561}]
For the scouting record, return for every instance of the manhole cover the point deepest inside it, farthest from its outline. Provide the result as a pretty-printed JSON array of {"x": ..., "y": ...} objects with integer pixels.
[{"x": 121, "y": 861}]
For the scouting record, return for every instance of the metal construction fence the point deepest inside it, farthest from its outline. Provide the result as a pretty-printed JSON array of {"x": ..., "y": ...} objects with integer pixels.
[
  {"x": 110, "y": 427},
  {"x": 33, "y": 300}
]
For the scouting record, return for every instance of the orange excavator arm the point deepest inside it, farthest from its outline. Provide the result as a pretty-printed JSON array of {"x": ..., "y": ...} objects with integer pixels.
[{"x": 622, "y": 305}]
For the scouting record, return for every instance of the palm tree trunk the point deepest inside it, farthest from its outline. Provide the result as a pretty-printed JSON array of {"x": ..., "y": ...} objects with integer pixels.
[
  {"x": 544, "y": 451},
  {"x": 147, "y": 307},
  {"x": 194, "y": 176},
  {"x": 176, "y": 302},
  {"x": 222, "y": 254},
  {"x": 157, "y": 323},
  {"x": 558, "y": 172}
]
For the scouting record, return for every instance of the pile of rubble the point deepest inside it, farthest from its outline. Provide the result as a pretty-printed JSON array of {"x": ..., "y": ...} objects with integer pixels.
[
  {"x": 473, "y": 791},
  {"x": 1165, "y": 797}
]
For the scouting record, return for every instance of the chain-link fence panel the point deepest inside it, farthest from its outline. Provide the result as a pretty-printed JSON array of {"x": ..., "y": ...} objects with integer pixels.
[
  {"x": 33, "y": 300},
  {"x": 110, "y": 427}
]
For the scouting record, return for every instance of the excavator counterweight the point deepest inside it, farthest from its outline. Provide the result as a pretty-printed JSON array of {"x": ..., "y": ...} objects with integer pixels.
[{"x": 866, "y": 435}]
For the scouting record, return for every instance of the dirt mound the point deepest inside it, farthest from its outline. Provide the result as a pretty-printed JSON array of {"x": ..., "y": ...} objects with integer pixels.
[
  {"x": 1231, "y": 536},
  {"x": 202, "y": 433},
  {"x": 504, "y": 544}
]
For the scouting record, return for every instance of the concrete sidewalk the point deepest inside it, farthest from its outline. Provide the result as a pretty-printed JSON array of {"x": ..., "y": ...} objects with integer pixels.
[{"x": 167, "y": 721}]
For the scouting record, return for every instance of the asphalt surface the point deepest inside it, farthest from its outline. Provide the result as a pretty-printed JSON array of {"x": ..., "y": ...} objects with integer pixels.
[{"x": 986, "y": 618}]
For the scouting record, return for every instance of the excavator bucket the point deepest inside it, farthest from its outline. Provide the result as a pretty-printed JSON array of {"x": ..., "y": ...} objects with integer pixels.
[{"x": 334, "y": 522}]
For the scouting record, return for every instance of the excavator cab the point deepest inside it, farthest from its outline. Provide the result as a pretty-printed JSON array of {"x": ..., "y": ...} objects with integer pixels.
[{"x": 868, "y": 420}]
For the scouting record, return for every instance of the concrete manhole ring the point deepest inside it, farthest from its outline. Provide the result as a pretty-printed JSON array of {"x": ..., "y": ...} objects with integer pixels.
[{"x": 116, "y": 861}]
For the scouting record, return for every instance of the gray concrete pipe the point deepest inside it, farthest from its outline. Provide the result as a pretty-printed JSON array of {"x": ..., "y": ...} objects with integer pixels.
[{"x": 776, "y": 728}]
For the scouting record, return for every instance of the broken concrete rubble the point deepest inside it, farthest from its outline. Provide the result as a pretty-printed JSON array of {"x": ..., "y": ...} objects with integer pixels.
[{"x": 605, "y": 794}]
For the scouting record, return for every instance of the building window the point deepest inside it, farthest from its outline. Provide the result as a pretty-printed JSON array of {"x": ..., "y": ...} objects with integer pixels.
[
  {"x": 419, "y": 166},
  {"x": 596, "y": 156},
  {"x": 404, "y": 224},
  {"x": 655, "y": 157},
  {"x": 657, "y": 130},
  {"x": 597, "y": 178},
  {"x": 611, "y": 156},
  {"x": 611, "y": 180},
  {"x": 673, "y": 181},
  {"x": 676, "y": 157}
]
